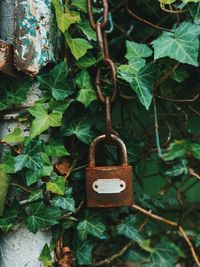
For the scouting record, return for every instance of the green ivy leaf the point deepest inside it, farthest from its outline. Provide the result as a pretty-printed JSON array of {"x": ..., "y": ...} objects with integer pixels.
[
  {"x": 190, "y": 1},
  {"x": 60, "y": 106},
  {"x": 33, "y": 177},
  {"x": 175, "y": 150},
  {"x": 3, "y": 105},
  {"x": 17, "y": 90},
  {"x": 86, "y": 61},
  {"x": 142, "y": 84},
  {"x": 182, "y": 148},
  {"x": 43, "y": 120},
  {"x": 92, "y": 227},
  {"x": 126, "y": 72},
  {"x": 167, "y": 2},
  {"x": 28, "y": 161},
  {"x": 179, "y": 75},
  {"x": 41, "y": 216},
  {"x": 78, "y": 46},
  {"x": 56, "y": 150},
  {"x": 45, "y": 256},
  {"x": 14, "y": 137},
  {"x": 163, "y": 255},
  {"x": 181, "y": 45},
  {"x": 57, "y": 186},
  {"x": 80, "y": 4},
  {"x": 197, "y": 241},
  {"x": 86, "y": 28},
  {"x": 195, "y": 12},
  {"x": 7, "y": 220},
  {"x": 128, "y": 230},
  {"x": 81, "y": 129},
  {"x": 55, "y": 81},
  {"x": 86, "y": 94},
  {"x": 146, "y": 246},
  {"x": 195, "y": 149},
  {"x": 35, "y": 195},
  {"x": 84, "y": 253},
  {"x": 64, "y": 20},
  {"x": 66, "y": 202},
  {"x": 136, "y": 54}
]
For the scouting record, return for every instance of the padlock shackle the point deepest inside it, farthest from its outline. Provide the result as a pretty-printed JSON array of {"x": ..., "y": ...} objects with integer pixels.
[{"x": 115, "y": 139}]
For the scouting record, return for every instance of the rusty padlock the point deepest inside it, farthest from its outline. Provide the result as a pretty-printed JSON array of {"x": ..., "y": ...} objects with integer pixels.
[{"x": 109, "y": 186}]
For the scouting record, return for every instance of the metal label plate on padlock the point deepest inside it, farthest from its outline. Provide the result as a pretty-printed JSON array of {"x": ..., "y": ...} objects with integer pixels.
[
  {"x": 112, "y": 198},
  {"x": 109, "y": 186}
]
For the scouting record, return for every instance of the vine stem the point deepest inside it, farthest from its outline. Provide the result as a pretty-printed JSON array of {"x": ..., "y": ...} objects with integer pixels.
[
  {"x": 171, "y": 10},
  {"x": 121, "y": 251},
  {"x": 193, "y": 173},
  {"x": 173, "y": 224},
  {"x": 20, "y": 186},
  {"x": 178, "y": 100},
  {"x": 115, "y": 256},
  {"x": 157, "y": 137},
  {"x": 130, "y": 12},
  {"x": 153, "y": 216}
]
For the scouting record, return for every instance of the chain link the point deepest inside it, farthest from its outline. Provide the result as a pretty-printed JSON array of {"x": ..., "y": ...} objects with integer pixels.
[{"x": 100, "y": 26}]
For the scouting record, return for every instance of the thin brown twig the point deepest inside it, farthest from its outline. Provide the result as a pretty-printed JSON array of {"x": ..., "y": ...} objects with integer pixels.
[
  {"x": 121, "y": 252},
  {"x": 173, "y": 224},
  {"x": 22, "y": 187},
  {"x": 194, "y": 110},
  {"x": 123, "y": 31},
  {"x": 130, "y": 12},
  {"x": 193, "y": 173},
  {"x": 115, "y": 8},
  {"x": 73, "y": 212},
  {"x": 171, "y": 10},
  {"x": 178, "y": 100},
  {"x": 70, "y": 169},
  {"x": 127, "y": 97},
  {"x": 166, "y": 76},
  {"x": 115, "y": 256}
]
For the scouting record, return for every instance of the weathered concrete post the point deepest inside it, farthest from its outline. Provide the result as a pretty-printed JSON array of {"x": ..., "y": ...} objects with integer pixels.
[{"x": 27, "y": 44}]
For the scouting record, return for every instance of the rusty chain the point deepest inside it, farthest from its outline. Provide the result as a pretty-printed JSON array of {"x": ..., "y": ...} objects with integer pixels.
[{"x": 100, "y": 26}]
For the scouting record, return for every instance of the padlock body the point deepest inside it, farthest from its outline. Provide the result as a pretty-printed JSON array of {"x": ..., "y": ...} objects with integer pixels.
[{"x": 109, "y": 186}]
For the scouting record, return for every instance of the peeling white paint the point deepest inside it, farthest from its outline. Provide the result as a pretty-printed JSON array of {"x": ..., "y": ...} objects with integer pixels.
[
  {"x": 22, "y": 248},
  {"x": 35, "y": 35}
]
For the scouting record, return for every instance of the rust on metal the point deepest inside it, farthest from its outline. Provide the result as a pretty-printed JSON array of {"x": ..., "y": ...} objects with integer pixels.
[
  {"x": 114, "y": 139},
  {"x": 109, "y": 129},
  {"x": 107, "y": 186},
  {"x": 122, "y": 172},
  {"x": 7, "y": 59},
  {"x": 99, "y": 90},
  {"x": 105, "y": 15},
  {"x": 124, "y": 198}
]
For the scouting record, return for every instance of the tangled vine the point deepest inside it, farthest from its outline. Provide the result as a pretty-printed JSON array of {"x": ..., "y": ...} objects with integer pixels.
[{"x": 155, "y": 48}]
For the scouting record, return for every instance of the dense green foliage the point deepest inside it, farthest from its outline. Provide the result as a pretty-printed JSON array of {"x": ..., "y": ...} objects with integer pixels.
[{"x": 156, "y": 114}]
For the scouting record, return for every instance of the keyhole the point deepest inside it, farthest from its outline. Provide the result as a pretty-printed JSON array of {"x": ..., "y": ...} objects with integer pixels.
[
  {"x": 121, "y": 185},
  {"x": 96, "y": 186}
]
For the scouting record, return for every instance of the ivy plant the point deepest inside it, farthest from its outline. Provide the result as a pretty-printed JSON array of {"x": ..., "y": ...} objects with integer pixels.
[{"x": 155, "y": 47}]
